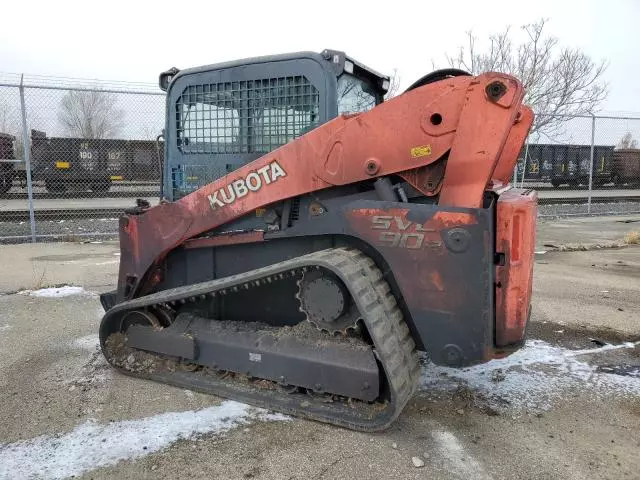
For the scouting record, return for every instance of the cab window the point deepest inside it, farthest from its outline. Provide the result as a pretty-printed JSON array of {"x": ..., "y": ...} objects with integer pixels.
[{"x": 354, "y": 95}]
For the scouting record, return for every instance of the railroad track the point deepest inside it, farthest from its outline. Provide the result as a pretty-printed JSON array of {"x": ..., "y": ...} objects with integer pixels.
[
  {"x": 562, "y": 188},
  {"x": 60, "y": 214},
  {"x": 74, "y": 195},
  {"x": 115, "y": 212}
]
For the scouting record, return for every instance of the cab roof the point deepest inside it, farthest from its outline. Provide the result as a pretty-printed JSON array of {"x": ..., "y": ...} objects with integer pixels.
[{"x": 334, "y": 60}]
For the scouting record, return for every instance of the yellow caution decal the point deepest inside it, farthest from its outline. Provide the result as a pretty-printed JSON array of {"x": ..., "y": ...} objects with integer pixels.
[{"x": 422, "y": 151}]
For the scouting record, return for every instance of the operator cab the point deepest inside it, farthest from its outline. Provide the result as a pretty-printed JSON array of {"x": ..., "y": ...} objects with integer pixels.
[{"x": 222, "y": 116}]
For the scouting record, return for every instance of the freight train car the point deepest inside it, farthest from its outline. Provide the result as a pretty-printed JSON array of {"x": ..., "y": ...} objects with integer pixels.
[
  {"x": 566, "y": 164},
  {"x": 78, "y": 163},
  {"x": 626, "y": 163},
  {"x": 10, "y": 167}
]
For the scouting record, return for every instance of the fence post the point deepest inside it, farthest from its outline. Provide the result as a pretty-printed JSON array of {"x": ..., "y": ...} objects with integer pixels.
[
  {"x": 524, "y": 165},
  {"x": 593, "y": 138},
  {"x": 27, "y": 160}
]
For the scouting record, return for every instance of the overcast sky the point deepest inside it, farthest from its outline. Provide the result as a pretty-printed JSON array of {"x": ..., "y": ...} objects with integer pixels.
[{"x": 135, "y": 40}]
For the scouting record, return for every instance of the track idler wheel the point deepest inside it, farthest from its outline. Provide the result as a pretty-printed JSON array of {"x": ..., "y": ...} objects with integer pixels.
[{"x": 139, "y": 317}]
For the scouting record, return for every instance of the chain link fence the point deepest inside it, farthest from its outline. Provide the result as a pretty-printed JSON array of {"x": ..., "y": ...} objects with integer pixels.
[
  {"x": 583, "y": 165},
  {"x": 74, "y": 154}
]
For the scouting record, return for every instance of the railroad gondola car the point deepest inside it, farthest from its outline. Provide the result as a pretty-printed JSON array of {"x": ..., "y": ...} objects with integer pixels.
[
  {"x": 7, "y": 162},
  {"x": 65, "y": 163},
  {"x": 566, "y": 164},
  {"x": 626, "y": 163}
]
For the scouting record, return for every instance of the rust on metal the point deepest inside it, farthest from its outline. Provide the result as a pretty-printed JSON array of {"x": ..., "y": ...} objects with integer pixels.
[
  {"x": 225, "y": 239},
  {"x": 334, "y": 154}
]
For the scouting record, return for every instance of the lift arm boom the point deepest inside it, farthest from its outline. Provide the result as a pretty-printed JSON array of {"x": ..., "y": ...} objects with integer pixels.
[{"x": 478, "y": 124}]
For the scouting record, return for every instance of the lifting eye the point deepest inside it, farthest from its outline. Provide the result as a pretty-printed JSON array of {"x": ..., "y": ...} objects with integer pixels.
[{"x": 436, "y": 119}]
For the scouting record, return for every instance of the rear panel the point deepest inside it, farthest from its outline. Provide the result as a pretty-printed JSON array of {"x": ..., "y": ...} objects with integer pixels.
[{"x": 515, "y": 244}]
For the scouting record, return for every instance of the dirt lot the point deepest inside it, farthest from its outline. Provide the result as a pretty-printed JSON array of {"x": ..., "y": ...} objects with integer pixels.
[{"x": 566, "y": 406}]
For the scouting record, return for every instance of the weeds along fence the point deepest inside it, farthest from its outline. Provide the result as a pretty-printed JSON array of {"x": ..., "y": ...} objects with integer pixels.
[{"x": 74, "y": 153}]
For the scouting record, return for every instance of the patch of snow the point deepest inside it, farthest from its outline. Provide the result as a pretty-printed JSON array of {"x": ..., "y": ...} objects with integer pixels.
[
  {"x": 96, "y": 241},
  {"x": 117, "y": 254},
  {"x": 57, "y": 292},
  {"x": 92, "y": 445},
  {"x": 89, "y": 342},
  {"x": 6, "y": 327},
  {"x": 532, "y": 378},
  {"x": 604, "y": 348}
]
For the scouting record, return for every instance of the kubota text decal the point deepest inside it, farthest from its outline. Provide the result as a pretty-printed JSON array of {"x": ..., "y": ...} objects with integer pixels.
[{"x": 251, "y": 183}]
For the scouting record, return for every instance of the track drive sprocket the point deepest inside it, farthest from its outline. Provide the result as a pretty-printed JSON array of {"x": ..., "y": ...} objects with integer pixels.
[{"x": 326, "y": 302}]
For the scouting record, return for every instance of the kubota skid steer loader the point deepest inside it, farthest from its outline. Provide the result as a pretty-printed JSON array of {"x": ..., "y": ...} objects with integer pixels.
[{"x": 313, "y": 237}]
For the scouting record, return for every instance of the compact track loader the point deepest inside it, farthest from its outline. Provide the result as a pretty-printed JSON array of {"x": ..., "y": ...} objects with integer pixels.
[{"x": 312, "y": 237}]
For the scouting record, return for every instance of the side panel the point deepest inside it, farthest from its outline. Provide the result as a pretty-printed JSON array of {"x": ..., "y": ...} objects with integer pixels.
[
  {"x": 442, "y": 262},
  {"x": 439, "y": 263}
]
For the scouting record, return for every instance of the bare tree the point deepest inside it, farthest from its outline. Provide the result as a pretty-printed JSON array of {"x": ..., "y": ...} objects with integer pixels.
[
  {"x": 560, "y": 82},
  {"x": 149, "y": 131},
  {"x": 90, "y": 114},
  {"x": 394, "y": 85},
  {"x": 10, "y": 121},
  {"x": 353, "y": 98},
  {"x": 627, "y": 141}
]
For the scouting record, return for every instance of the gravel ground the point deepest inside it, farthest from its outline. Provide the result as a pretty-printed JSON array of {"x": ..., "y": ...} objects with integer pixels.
[
  {"x": 561, "y": 210},
  {"x": 107, "y": 228},
  {"x": 68, "y": 229},
  {"x": 119, "y": 188}
]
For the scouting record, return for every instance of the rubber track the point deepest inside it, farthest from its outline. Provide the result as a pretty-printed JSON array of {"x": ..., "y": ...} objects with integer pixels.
[{"x": 393, "y": 345}]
